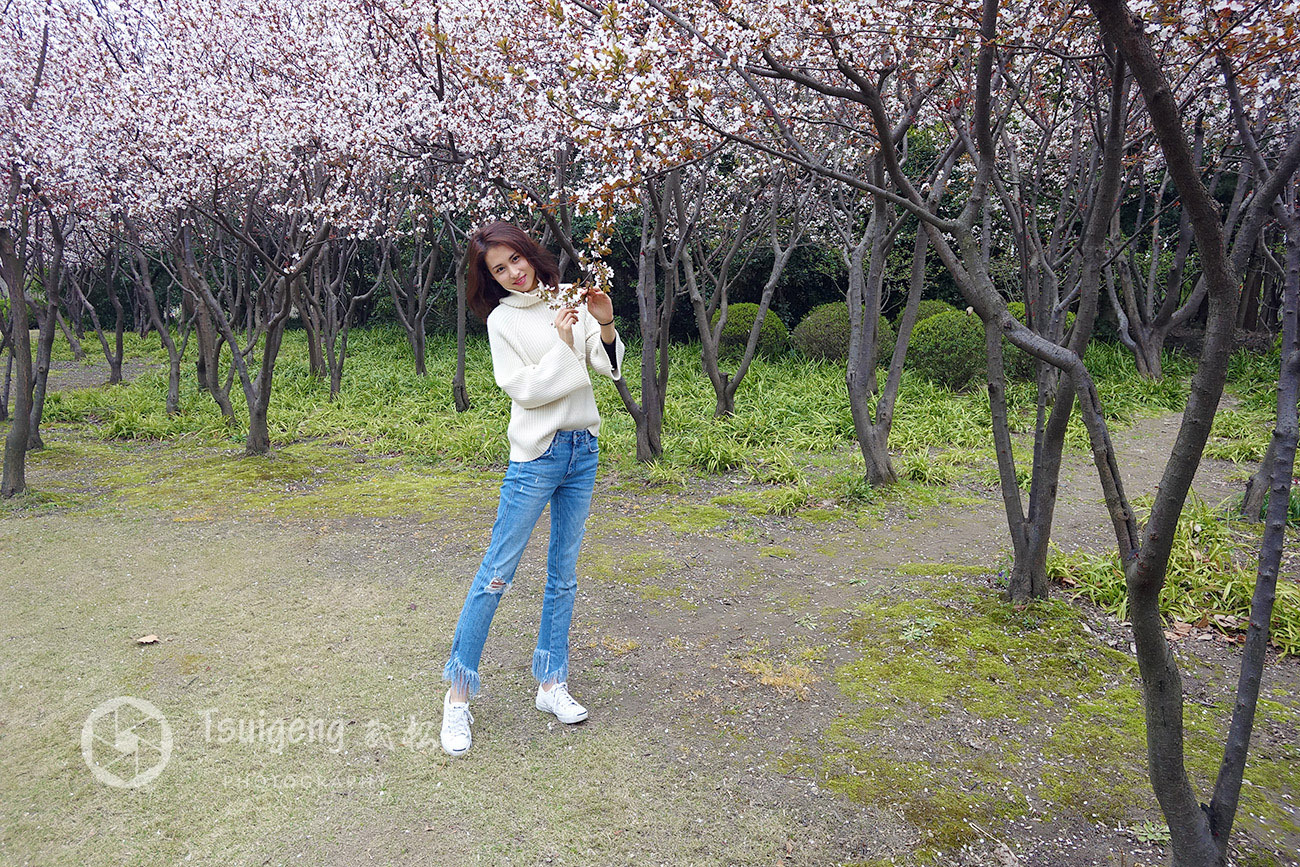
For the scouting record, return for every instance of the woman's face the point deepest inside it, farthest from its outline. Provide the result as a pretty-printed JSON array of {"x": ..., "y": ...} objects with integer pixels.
[{"x": 510, "y": 268}]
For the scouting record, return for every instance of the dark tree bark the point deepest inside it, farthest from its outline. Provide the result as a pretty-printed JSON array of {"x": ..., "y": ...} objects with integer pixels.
[
  {"x": 74, "y": 342},
  {"x": 1198, "y": 837},
  {"x": 1258, "y": 485},
  {"x": 456, "y": 239},
  {"x": 866, "y": 263},
  {"x": 186, "y": 271},
  {"x": 460, "y": 393},
  {"x": 333, "y": 303},
  {"x": 13, "y": 267},
  {"x": 47, "y": 318},
  {"x": 654, "y": 316},
  {"x": 313, "y": 325},
  {"x": 411, "y": 286},
  {"x": 7, "y": 348}
]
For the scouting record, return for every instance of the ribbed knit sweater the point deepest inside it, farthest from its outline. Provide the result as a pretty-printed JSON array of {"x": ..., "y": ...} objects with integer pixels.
[{"x": 546, "y": 379}]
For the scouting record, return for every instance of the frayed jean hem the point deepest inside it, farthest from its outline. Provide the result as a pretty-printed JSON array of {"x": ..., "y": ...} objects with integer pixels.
[
  {"x": 460, "y": 677},
  {"x": 543, "y": 671}
]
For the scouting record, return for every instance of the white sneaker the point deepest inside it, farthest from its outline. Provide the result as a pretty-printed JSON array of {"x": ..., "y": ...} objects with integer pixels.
[
  {"x": 558, "y": 701},
  {"x": 455, "y": 726}
]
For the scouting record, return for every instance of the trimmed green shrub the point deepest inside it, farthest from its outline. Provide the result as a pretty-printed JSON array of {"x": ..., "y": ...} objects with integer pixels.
[
  {"x": 773, "y": 337},
  {"x": 948, "y": 348},
  {"x": 824, "y": 334},
  {"x": 931, "y": 307}
]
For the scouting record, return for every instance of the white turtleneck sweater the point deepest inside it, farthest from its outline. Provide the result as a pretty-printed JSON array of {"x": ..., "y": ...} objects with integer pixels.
[{"x": 546, "y": 379}]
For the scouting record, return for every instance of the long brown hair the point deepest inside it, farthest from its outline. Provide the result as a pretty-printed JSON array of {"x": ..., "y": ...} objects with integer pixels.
[{"x": 483, "y": 292}]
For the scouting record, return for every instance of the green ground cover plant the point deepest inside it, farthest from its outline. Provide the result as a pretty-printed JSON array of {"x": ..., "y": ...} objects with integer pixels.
[
  {"x": 1241, "y": 432},
  {"x": 1209, "y": 581},
  {"x": 790, "y": 406},
  {"x": 950, "y": 653}
]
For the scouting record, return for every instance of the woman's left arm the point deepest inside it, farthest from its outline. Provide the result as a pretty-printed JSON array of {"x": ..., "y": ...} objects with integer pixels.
[{"x": 599, "y": 340}]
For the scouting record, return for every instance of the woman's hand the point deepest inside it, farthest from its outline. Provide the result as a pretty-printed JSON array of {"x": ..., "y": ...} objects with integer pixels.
[
  {"x": 600, "y": 305},
  {"x": 564, "y": 321}
]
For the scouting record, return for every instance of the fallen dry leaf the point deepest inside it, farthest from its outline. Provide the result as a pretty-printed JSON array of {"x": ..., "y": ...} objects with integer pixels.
[{"x": 148, "y": 639}]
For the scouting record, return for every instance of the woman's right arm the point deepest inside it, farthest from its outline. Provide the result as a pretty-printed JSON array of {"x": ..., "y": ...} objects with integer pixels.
[{"x": 556, "y": 374}]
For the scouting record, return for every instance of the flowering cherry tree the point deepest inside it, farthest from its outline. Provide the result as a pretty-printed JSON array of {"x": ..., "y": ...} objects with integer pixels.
[
  {"x": 256, "y": 144},
  {"x": 855, "y": 65}
]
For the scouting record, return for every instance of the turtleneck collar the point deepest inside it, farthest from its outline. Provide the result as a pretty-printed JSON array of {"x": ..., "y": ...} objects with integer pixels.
[{"x": 521, "y": 299}]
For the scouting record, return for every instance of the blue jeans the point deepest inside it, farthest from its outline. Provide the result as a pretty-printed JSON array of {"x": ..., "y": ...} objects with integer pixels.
[{"x": 564, "y": 477}]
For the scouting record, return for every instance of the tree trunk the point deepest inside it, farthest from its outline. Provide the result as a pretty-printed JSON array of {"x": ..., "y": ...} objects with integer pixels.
[
  {"x": 259, "y": 434},
  {"x": 9, "y": 378},
  {"x": 310, "y": 318},
  {"x": 78, "y": 351},
  {"x": 655, "y": 318},
  {"x": 860, "y": 373},
  {"x": 1252, "y": 503},
  {"x": 40, "y": 379},
  {"x": 15, "y": 467},
  {"x": 119, "y": 323},
  {"x": 459, "y": 392},
  {"x": 83, "y": 304},
  {"x": 53, "y": 279},
  {"x": 116, "y": 357},
  {"x": 1150, "y": 344}
]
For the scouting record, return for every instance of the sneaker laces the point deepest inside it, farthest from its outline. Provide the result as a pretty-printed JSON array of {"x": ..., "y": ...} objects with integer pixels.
[
  {"x": 560, "y": 696},
  {"x": 459, "y": 719}
]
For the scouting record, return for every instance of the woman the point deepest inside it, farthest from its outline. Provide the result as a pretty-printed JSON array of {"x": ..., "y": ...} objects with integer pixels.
[{"x": 540, "y": 358}]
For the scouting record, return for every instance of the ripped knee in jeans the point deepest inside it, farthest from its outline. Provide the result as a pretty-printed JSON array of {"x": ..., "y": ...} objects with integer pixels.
[{"x": 497, "y": 585}]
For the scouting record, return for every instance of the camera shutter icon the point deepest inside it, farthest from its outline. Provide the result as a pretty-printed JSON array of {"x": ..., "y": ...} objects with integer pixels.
[{"x": 126, "y": 742}]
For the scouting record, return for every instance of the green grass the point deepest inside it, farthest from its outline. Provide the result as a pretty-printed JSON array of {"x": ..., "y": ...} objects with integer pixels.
[
  {"x": 1241, "y": 434},
  {"x": 1208, "y": 582},
  {"x": 788, "y": 408}
]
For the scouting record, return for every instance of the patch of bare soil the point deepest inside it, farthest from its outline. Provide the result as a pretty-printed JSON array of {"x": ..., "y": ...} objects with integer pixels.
[{"x": 69, "y": 375}]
